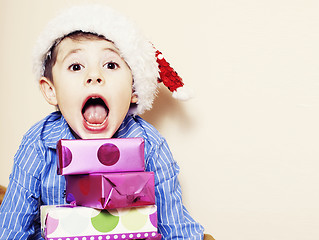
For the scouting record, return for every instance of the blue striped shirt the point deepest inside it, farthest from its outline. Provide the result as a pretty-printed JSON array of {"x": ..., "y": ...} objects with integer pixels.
[{"x": 34, "y": 180}]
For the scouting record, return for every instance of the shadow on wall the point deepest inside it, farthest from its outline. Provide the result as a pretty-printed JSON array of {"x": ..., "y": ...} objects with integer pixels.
[{"x": 166, "y": 107}]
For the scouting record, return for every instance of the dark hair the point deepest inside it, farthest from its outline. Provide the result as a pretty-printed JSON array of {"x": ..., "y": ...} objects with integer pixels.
[{"x": 53, "y": 52}]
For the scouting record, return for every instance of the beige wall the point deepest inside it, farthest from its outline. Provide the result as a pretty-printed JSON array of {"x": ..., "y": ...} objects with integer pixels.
[{"x": 247, "y": 144}]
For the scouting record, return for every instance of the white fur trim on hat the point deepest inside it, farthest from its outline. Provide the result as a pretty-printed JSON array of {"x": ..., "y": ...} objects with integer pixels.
[{"x": 136, "y": 50}]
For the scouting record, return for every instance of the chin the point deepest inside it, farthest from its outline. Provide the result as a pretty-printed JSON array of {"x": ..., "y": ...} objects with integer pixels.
[
  {"x": 95, "y": 135},
  {"x": 93, "y": 132}
]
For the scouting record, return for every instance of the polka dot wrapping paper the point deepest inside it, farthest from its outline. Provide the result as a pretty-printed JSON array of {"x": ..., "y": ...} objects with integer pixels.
[
  {"x": 111, "y": 195},
  {"x": 100, "y": 155},
  {"x": 83, "y": 223},
  {"x": 111, "y": 190}
]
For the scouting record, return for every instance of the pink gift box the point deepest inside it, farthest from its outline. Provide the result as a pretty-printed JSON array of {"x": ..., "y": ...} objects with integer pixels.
[
  {"x": 111, "y": 190},
  {"x": 100, "y": 155}
]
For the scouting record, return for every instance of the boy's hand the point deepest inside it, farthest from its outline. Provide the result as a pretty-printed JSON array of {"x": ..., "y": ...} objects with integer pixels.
[{"x": 2, "y": 192}]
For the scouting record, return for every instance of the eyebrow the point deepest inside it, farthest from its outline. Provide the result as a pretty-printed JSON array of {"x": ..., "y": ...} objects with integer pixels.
[
  {"x": 70, "y": 53},
  {"x": 79, "y": 49},
  {"x": 113, "y": 50}
]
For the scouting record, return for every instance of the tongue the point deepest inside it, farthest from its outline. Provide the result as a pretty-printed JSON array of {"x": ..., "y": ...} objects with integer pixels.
[{"x": 95, "y": 114}]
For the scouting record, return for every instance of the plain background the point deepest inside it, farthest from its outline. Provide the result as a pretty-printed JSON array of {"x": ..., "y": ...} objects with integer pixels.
[{"x": 247, "y": 143}]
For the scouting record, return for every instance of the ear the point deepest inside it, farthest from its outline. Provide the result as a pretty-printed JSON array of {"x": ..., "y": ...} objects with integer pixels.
[
  {"x": 48, "y": 91},
  {"x": 134, "y": 98}
]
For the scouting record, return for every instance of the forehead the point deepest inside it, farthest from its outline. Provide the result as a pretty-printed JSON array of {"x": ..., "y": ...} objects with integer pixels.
[{"x": 70, "y": 46}]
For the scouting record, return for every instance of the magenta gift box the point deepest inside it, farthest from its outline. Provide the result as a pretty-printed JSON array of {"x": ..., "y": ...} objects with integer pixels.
[
  {"x": 100, "y": 155},
  {"x": 65, "y": 222},
  {"x": 111, "y": 190}
]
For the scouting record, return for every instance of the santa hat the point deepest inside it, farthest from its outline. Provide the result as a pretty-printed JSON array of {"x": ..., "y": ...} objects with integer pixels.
[{"x": 147, "y": 64}]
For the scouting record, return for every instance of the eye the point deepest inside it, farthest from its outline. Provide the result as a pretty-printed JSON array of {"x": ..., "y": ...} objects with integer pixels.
[
  {"x": 111, "y": 65},
  {"x": 76, "y": 67}
]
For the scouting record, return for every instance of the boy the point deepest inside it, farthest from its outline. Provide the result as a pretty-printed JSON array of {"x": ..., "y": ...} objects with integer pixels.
[{"x": 100, "y": 73}]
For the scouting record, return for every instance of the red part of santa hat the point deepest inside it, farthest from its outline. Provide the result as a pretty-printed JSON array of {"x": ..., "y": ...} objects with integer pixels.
[{"x": 170, "y": 78}]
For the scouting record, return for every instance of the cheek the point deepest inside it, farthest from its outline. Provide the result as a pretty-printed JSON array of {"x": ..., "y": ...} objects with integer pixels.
[
  {"x": 121, "y": 99},
  {"x": 126, "y": 78},
  {"x": 67, "y": 97},
  {"x": 122, "y": 86}
]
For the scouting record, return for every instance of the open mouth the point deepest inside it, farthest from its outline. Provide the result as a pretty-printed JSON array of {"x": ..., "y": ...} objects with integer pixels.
[{"x": 95, "y": 111}]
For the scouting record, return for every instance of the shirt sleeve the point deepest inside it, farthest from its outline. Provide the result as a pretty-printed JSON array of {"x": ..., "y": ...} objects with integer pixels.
[
  {"x": 19, "y": 208},
  {"x": 174, "y": 221}
]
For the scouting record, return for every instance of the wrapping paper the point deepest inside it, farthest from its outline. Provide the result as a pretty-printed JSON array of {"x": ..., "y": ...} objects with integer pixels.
[
  {"x": 100, "y": 155},
  {"x": 81, "y": 223},
  {"x": 111, "y": 190}
]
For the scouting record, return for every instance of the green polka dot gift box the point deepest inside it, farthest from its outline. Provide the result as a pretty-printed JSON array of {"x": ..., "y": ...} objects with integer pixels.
[{"x": 66, "y": 222}]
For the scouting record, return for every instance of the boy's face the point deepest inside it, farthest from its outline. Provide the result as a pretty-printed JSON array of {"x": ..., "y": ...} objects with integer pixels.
[{"x": 92, "y": 86}]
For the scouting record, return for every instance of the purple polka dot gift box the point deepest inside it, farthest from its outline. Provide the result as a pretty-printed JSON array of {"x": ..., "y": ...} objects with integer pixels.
[
  {"x": 111, "y": 190},
  {"x": 100, "y": 155},
  {"x": 65, "y": 222}
]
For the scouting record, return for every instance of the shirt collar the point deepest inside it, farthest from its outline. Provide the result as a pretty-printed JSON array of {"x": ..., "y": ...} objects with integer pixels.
[
  {"x": 129, "y": 128},
  {"x": 55, "y": 128}
]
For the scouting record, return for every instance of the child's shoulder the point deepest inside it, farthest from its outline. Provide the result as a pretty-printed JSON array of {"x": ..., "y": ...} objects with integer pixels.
[
  {"x": 42, "y": 128},
  {"x": 150, "y": 133}
]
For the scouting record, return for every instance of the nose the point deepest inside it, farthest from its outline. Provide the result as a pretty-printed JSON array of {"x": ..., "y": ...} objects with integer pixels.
[
  {"x": 94, "y": 77},
  {"x": 91, "y": 81}
]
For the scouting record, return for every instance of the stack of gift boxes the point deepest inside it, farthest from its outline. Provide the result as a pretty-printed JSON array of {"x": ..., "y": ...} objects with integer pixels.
[{"x": 109, "y": 193}]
